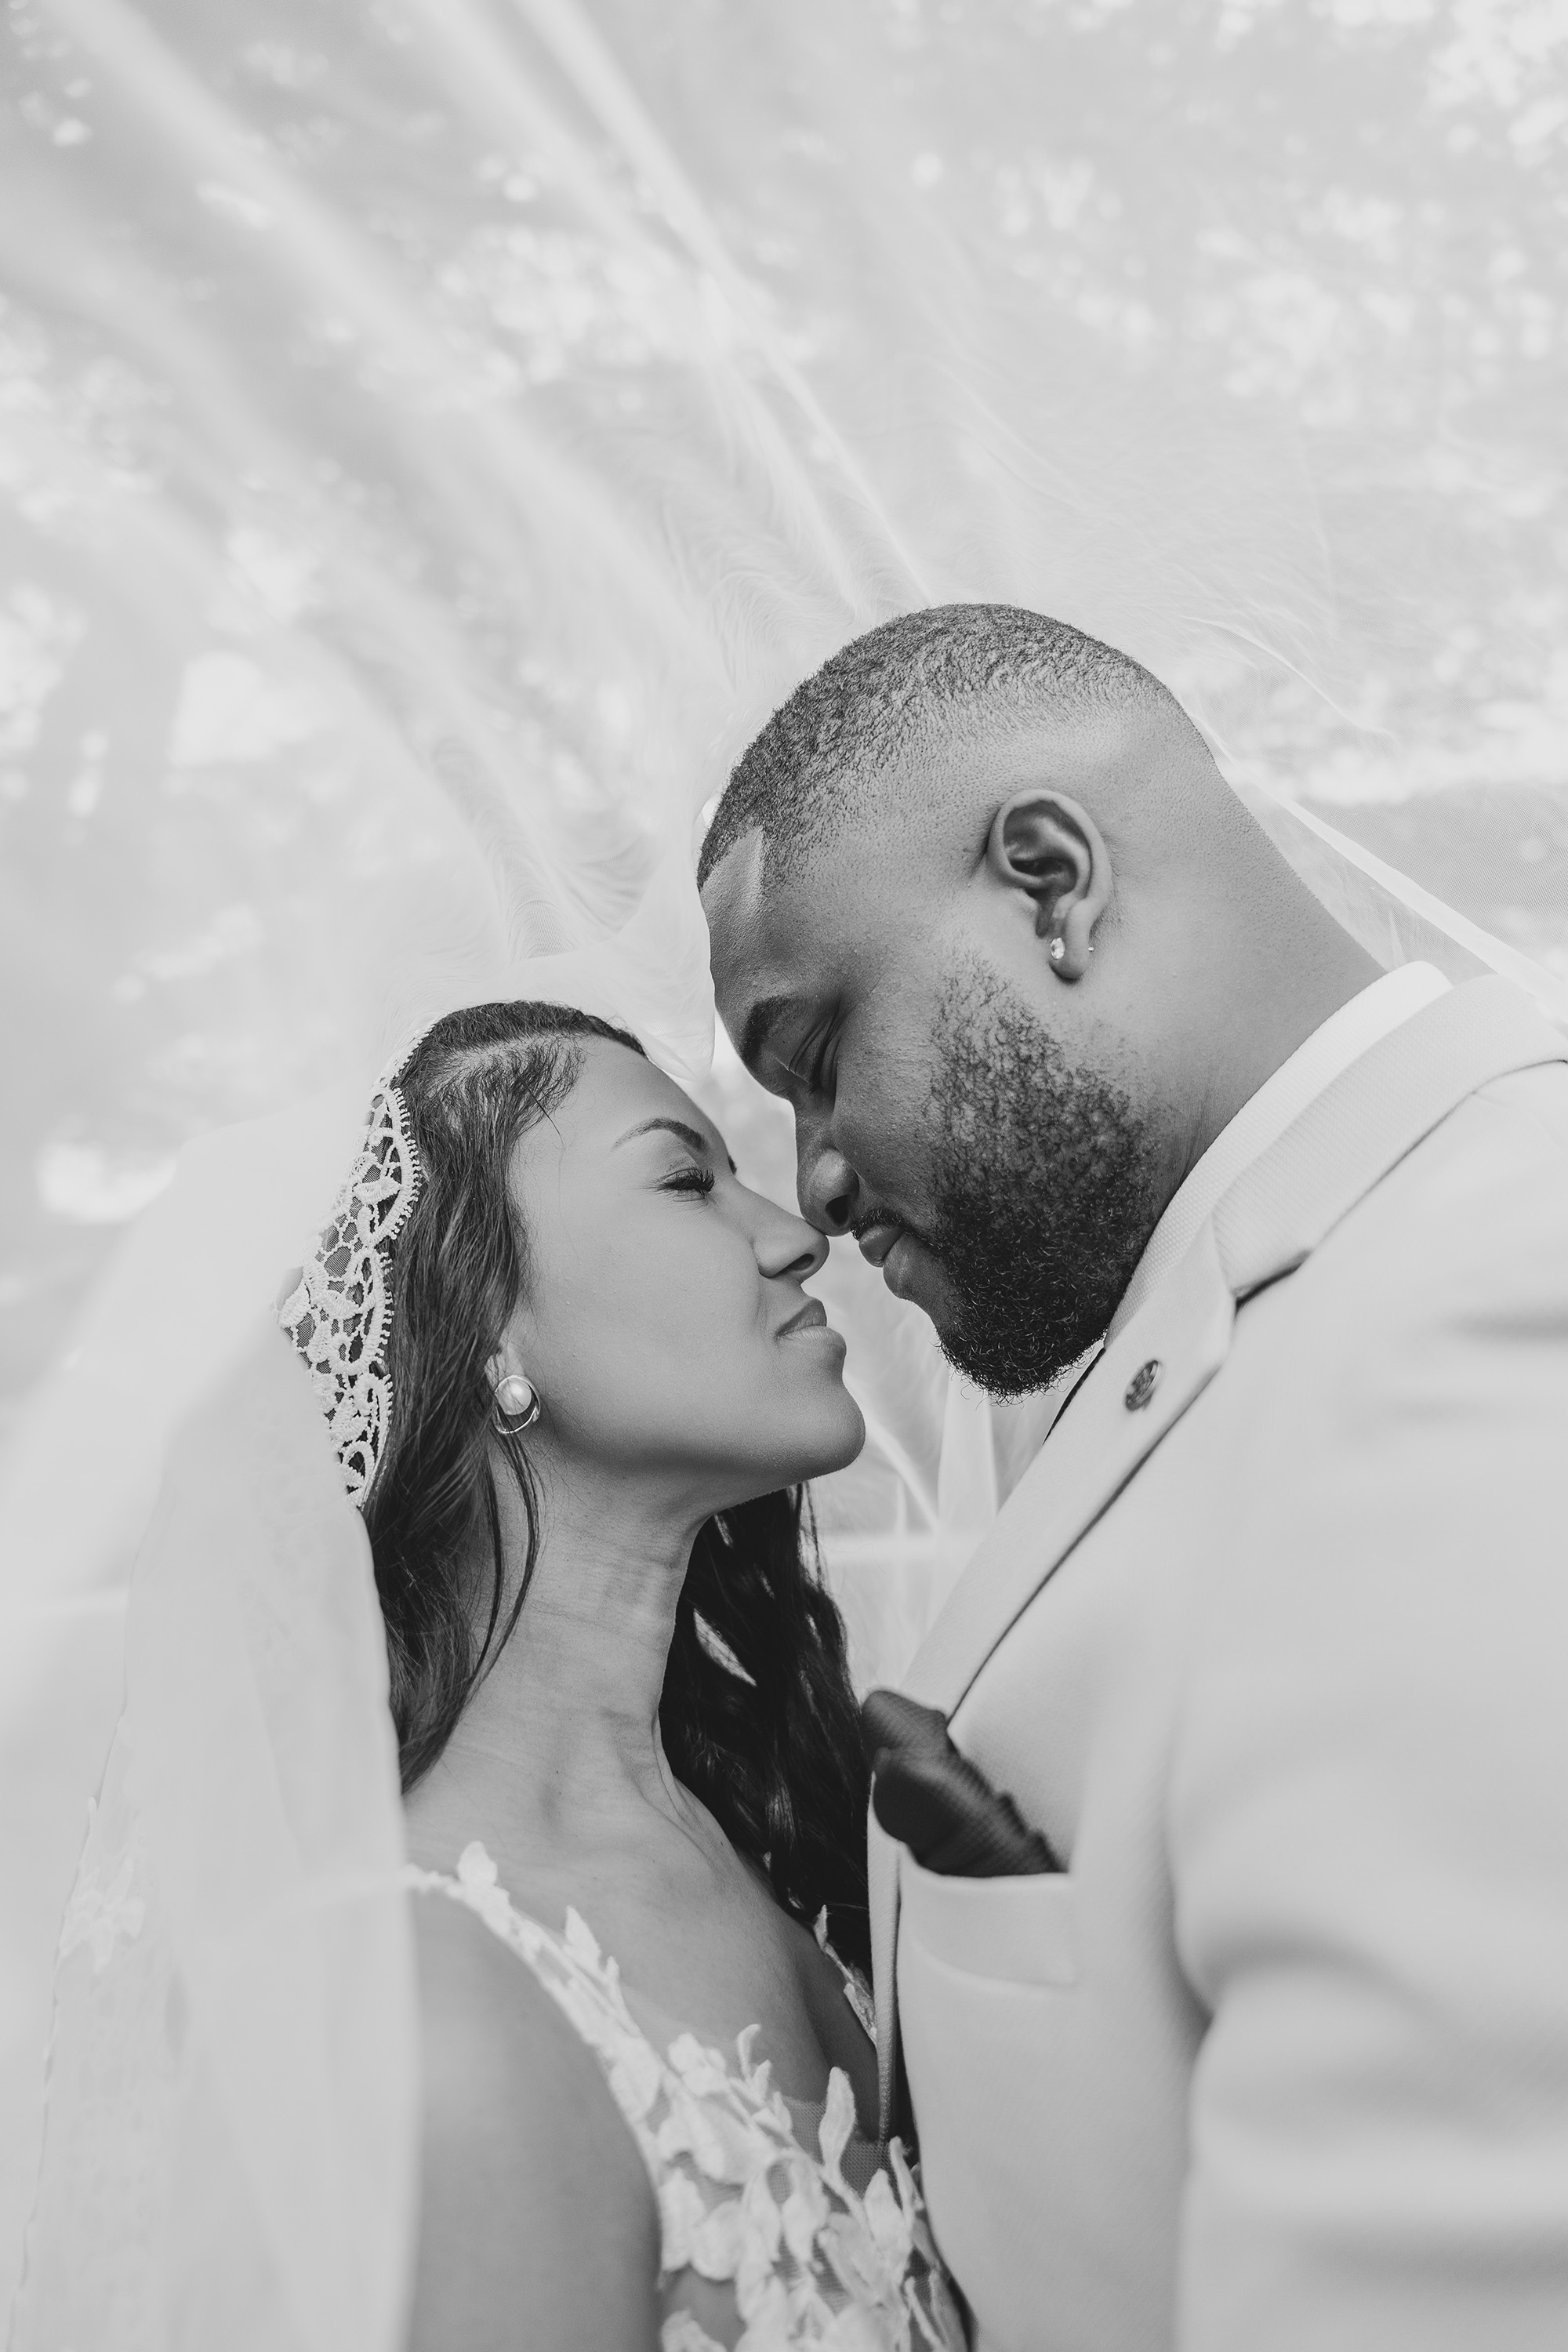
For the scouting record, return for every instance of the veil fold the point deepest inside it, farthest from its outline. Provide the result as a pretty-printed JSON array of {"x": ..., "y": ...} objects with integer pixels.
[
  {"x": 231, "y": 2138},
  {"x": 434, "y": 434}
]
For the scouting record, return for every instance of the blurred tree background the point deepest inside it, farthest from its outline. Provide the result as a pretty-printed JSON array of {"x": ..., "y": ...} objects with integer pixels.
[{"x": 432, "y": 434}]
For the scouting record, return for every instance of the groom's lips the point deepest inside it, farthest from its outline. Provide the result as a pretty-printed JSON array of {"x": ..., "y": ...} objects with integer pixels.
[
  {"x": 875, "y": 1240},
  {"x": 890, "y": 1246}
]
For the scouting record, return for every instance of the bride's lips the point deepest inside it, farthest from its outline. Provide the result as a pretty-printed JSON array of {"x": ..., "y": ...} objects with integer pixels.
[{"x": 811, "y": 1322}]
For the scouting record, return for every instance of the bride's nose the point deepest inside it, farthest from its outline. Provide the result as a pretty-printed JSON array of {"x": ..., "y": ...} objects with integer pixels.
[{"x": 788, "y": 1247}]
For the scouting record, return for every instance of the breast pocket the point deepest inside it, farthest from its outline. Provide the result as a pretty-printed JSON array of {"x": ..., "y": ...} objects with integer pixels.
[{"x": 1005, "y": 1931}]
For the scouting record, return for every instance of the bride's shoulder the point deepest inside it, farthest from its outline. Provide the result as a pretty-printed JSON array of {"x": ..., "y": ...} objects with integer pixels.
[{"x": 534, "y": 2197}]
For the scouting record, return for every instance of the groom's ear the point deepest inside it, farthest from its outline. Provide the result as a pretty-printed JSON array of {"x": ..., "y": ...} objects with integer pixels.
[{"x": 1047, "y": 845}]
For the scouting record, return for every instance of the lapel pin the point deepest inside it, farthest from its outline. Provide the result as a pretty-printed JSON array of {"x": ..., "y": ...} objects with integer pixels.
[{"x": 1142, "y": 1384}]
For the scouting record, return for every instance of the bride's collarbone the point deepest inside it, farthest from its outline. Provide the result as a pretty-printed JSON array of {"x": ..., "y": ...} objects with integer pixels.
[{"x": 703, "y": 1946}]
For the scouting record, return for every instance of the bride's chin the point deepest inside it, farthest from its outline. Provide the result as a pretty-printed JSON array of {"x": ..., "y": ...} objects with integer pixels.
[
  {"x": 832, "y": 1445},
  {"x": 845, "y": 1443}
]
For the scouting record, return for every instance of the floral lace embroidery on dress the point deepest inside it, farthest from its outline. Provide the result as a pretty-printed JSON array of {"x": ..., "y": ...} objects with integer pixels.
[{"x": 814, "y": 2261}]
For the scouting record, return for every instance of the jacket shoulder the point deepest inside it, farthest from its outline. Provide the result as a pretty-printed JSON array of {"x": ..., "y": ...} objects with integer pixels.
[{"x": 1482, "y": 1198}]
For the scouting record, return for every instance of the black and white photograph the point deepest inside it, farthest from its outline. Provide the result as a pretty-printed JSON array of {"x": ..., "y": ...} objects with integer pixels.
[{"x": 783, "y": 1286}]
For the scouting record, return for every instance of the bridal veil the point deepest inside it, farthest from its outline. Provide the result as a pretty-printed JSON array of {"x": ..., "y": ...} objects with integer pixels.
[{"x": 436, "y": 433}]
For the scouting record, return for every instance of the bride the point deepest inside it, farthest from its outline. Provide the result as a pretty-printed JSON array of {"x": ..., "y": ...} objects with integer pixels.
[{"x": 574, "y": 1380}]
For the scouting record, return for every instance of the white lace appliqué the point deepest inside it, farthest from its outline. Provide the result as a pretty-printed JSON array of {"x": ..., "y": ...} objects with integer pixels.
[
  {"x": 339, "y": 1315},
  {"x": 815, "y": 2263},
  {"x": 103, "y": 1912}
]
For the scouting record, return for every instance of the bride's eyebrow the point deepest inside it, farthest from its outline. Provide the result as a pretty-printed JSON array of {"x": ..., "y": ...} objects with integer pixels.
[{"x": 690, "y": 1135}]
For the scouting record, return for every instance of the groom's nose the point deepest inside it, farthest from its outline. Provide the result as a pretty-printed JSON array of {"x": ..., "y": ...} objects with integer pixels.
[{"x": 828, "y": 1187}]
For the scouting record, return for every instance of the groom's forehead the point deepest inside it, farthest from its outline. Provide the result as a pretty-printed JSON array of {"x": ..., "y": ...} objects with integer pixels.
[
  {"x": 762, "y": 929},
  {"x": 775, "y": 916},
  {"x": 787, "y": 946}
]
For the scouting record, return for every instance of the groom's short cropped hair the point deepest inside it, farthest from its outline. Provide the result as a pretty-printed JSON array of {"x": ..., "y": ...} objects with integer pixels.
[{"x": 813, "y": 769}]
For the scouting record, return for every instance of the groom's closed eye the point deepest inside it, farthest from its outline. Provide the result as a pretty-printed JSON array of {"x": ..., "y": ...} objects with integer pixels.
[
  {"x": 767, "y": 1015},
  {"x": 781, "y": 1040},
  {"x": 808, "y": 1064}
]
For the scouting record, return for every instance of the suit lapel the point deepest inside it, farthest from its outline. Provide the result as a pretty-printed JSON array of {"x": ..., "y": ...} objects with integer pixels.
[
  {"x": 1274, "y": 1215},
  {"x": 882, "y": 1895},
  {"x": 1182, "y": 1331}
]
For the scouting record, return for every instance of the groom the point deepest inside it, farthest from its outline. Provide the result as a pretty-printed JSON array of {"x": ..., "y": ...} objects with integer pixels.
[{"x": 1270, "y": 1644}]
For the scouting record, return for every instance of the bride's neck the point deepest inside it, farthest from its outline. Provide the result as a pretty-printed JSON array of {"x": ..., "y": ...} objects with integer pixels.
[{"x": 559, "y": 1745}]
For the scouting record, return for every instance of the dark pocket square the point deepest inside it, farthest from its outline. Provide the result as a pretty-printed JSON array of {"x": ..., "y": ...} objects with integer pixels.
[{"x": 938, "y": 1803}]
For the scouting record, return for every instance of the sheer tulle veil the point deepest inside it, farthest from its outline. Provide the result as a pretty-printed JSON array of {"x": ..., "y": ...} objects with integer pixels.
[{"x": 438, "y": 433}]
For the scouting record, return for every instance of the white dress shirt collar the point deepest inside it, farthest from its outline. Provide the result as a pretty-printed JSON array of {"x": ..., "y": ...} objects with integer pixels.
[{"x": 1341, "y": 1040}]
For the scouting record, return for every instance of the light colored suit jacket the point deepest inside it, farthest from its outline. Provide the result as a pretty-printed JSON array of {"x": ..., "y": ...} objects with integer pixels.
[{"x": 1272, "y": 1642}]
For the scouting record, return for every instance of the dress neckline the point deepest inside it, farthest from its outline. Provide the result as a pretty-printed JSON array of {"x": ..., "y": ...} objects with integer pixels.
[
  {"x": 480, "y": 1880},
  {"x": 815, "y": 2228}
]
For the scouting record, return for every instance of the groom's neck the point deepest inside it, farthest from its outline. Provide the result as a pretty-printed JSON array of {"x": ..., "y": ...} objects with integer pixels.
[{"x": 1271, "y": 982}]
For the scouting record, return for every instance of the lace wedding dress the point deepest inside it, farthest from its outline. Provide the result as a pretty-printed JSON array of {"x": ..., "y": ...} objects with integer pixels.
[
  {"x": 231, "y": 2154},
  {"x": 818, "y": 2232}
]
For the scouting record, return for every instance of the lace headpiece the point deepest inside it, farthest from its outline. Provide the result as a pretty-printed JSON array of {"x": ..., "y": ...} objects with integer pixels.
[{"x": 339, "y": 1314}]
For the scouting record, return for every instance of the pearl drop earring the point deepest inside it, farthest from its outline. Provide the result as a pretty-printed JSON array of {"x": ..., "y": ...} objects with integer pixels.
[{"x": 517, "y": 1406}]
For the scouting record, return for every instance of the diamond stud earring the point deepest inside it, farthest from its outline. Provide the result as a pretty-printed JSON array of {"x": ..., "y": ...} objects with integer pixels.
[
  {"x": 1056, "y": 950},
  {"x": 517, "y": 1405}
]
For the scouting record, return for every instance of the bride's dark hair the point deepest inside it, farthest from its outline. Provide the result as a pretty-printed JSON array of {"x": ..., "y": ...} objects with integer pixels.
[{"x": 758, "y": 1716}]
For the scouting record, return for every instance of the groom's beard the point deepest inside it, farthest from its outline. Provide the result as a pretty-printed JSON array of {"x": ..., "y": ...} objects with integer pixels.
[{"x": 1044, "y": 1189}]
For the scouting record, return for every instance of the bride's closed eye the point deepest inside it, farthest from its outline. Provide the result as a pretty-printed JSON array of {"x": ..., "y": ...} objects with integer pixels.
[{"x": 689, "y": 1179}]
